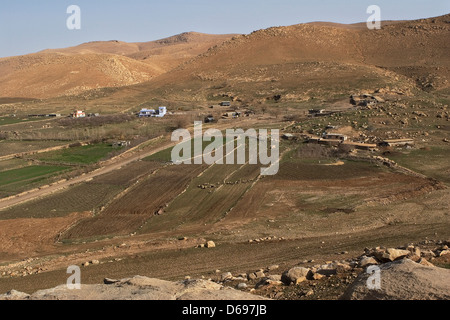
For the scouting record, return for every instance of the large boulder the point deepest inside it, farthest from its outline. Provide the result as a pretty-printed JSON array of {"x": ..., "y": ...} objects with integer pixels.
[
  {"x": 367, "y": 261},
  {"x": 394, "y": 254},
  {"x": 210, "y": 244},
  {"x": 226, "y": 276},
  {"x": 139, "y": 288},
  {"x": 14, "y": 295},
  {"x": 295, "y": 275},
  {"x": 403, "y": 280}
]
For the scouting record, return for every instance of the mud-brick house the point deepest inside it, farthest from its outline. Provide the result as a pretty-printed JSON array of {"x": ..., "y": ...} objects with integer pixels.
[
  {"x": 335, "y": 136},
  {"x": 396, "y": 143}
]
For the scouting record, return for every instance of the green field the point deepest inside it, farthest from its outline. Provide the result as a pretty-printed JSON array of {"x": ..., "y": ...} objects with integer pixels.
[
  {"x": 18, "y": 180},
  {"x": 433, "y": 162},
  {"x": 82, "y": 155},
  {"x": 89, "y": 196},
  {"x": 13, "y": 120}
]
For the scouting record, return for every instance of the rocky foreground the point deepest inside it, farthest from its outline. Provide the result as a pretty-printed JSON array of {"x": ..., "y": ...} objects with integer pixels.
[
  {"x": 404, "y": 273},
  {"x": 139, "y": 288}
]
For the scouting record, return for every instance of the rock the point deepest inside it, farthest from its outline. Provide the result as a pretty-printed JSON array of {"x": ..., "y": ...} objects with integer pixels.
[
  {"x": 295, "y": 275},
  {"x": 377, "y": 253},
  {"x": 260, "y": 274},
  {"x": 241, "y": 286},
  {"x": 275, "y": 277},
  {"x": 252, "y": 276},
  {"x": 315, "y": 276},
  {"x": 414, "y": 254},
  {"x": 444, "y": 252},
  {"x": 239, "y": 279},
  {"x": 403, "y": 280},
  {"x": 267, "y": 282},
  {"x": 425, "y": 262},
  {"x": 14, "y": 295},
  {"x": 226, "y": 276},
  {"x": 367, "y": 261},
  {"x": 95, "y": 262},
  {"x": 210, "y": 244},
  {"x": 392, "y": 254},
  {"x": 328, "y": 269},
  {"x": 273, "y": 267},
  {"x": 342, "y": 268},
  {"x": 141, "y": 288},
  {"x": 428, "y": 254},
  {"x": 309, "y": 293},
  {"x": 110, "y": 281}
]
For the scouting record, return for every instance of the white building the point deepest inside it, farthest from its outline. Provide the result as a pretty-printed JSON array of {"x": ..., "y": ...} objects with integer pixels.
[
  {"x": 161, "y": 112},
  {"x": 146, "y": 113}
]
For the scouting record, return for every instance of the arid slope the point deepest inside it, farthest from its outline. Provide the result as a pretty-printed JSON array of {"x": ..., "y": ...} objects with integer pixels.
[{"x": 94, "y": 65}]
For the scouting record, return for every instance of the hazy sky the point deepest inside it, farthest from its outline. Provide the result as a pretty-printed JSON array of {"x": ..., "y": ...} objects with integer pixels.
[{"x": 28, "y": 26}]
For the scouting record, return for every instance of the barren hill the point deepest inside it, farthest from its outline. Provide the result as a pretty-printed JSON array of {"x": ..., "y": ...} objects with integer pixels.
[
  {"x": 294, "y": 63},
  {"x": 95, "y": 65},
  {"x": 313, "y": 60},
  {"x": 54, "y": 74}
]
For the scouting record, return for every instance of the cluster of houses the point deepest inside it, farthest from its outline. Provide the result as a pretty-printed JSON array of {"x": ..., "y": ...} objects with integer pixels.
[
  {"x": 75, "y": 114},
  {"x": 336, "y": 139},
  {"x": 159, "y": 113},
  {"x": 82, "y": 114}
]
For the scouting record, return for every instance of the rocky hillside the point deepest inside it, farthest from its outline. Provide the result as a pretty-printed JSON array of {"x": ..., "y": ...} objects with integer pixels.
[
  {"x": 315, "y": 60},
  {"x": 405, "y": 273},
  {"x": 138, "y": 288}
]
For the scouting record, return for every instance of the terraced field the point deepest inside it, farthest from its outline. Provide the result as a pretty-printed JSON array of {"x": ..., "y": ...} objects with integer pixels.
[
  {"x": 304, "y": 189},
  {"x": 89, "y": 196},
  {"x": 207, "y": 199},
  {"x": 140, "y": 203}
]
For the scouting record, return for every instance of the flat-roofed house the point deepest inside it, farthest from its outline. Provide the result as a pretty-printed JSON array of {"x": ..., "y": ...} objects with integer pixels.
[
  {"x": 396, "y": 142},
  {"x": 335, "y": 136}
]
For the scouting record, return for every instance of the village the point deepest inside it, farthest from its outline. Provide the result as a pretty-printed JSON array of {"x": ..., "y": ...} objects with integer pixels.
[{"x": 329, "y": 135}]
